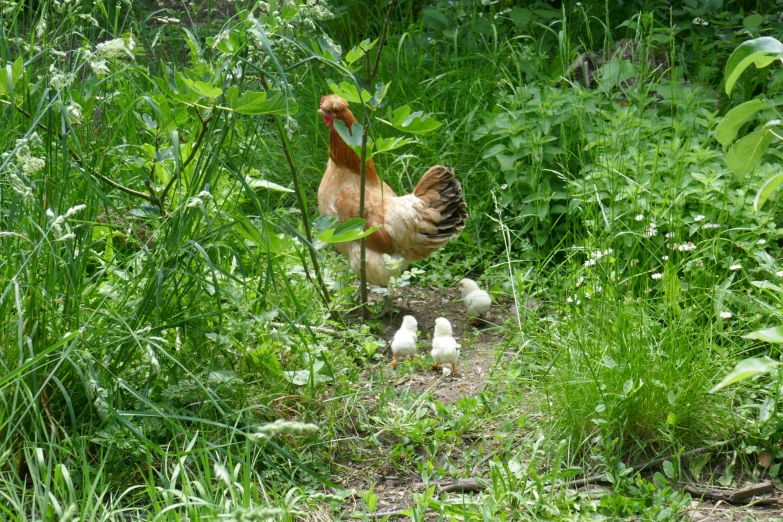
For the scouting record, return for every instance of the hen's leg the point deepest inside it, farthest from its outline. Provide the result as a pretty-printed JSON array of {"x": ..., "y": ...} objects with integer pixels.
[
  {"x": 454, "y": 368},
  {"x": 394, "y": 361},
  {"x": 437, "y": 366}
]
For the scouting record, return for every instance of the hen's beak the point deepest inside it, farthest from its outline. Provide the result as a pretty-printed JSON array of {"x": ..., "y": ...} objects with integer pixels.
[{"x": 321, "y": 112}]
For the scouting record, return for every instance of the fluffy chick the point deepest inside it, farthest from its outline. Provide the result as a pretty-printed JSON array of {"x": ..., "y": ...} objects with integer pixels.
[
  {"x": 404, "y": 342},
  {"x": 445, "y": 349},
  {"x": 477, "y": 300}
]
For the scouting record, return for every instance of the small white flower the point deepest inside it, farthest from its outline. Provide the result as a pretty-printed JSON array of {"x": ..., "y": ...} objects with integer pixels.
[
  {"x": 700, "y": 217},
  {"x": 735, "y": 267},
  {"x": 725, "y": 315},
  {"x": 195, "y": 202},
  {"x": 640, "y": 217},
  {"x": 579, "y": 281},
  {"x": 657, "y": 275},
  {"x": 779, "y": 273},
  {"x": 569, "y": 299},
  {"x": 99, "y": 68},
  {"x": 669, "y": 235},
  {"x": 221, "y": 473},
  {"x": 761, "y": 241},
  {"x": 685, "y": 247},
  {"x": 608, "y": 251},
  {"x": 74, "y": 210},
  {"x": 707, "y": 226},
  {"x": 590, "y": 262},
  {"x": 504, "y": 186},
  {"x": 665, "y": 258},
  {"x": 599, "y": 289}
]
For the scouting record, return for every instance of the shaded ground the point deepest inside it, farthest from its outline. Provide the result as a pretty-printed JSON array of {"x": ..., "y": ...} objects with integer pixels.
[{"x": 482, "y": 362}]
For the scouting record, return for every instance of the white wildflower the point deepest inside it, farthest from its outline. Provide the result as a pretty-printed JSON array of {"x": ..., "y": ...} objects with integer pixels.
[
  {"x": 169, "y": 20},
  {"x": 665, "y": 258},
  {"x": 222, "y": 473},
  {"x": 707, "y": 226},
  {"x": 685, "y": 247},
  {"x": 779, "y": 273},
  {"x": 69, "y": 235},
  {"x": 74, "y": 112},
  {"x": 640, "y": 217},
  {"x": 735, "y": 267},
  {"x": 590, "y": 262},
  {"x": 725, "y": 315},
  {"x": 99, "y": 68},
  {"x": 153, "y": 360},
  {"x": 112, "y": 49},
  {"x": 608, "y": 251},
  {"x": 579, "y": 281},
  {"x": 651, "y": 231},
  {"x": 195, "y": 202},
  {"x": 41, "y": 28},
  {"x": 90, "y": 19},
  {"x": 657, "y": 275},
  {"x": 700, "y": 217},
  {"x": 599, "y": 289},
  {"x": 504, "y": 186},
  {"x": 73, "y": 210},
  {"x": 761, "y": 241},
  {"x": 569, "y": 299}
]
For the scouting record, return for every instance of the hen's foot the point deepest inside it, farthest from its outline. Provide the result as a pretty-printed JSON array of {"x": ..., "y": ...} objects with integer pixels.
[
  {"x": 394, "y": 362},
  {"x": 454, "y": 369},
  {"x": 437, "y": 366}
]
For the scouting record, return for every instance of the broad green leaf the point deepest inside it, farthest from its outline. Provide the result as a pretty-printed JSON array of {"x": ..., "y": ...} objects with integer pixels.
[
  {"x": 327, "y": 50},
  {"x": 359, "y": 51},
  {"x": 766, "y": 191},
  {"x": 350, "y": 230},
  {"x": 203, "y": 88},
  {"x": 753, "y": 21},
  {"x": 668, "y": 468},
  {"x": 257, "y": 102},
  {"x": 349, "y": 92},
  {"x": 353, "y": 138},
  {"x": 760, "y": 51},
  {"x": 747, "y": 152},
  {"x": 379, "y": 94},
  {"x": 770, "y": 335},
  {"x": 766, "y": 285},
  {"x": 730, "y": 125},
  {"x": 387, "y": 144},
  {"x": 10, "y": 76},
  {"x": 744, "y": 370},
  {"x": 262, "y": 183},
  {"x": 417, "y": 122}
]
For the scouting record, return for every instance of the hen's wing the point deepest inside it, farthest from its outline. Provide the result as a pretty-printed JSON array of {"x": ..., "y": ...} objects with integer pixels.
[{"x": 422, "y": 222}]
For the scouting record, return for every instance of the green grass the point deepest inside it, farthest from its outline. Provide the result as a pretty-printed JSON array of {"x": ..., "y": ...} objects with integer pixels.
[{"x": 142, "y": 375}]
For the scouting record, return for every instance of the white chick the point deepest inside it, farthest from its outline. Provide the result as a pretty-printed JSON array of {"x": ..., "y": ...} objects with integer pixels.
[
  {"x": 445, "y": 349},
  {"x": 477, "y": 300},
  {"x": 404, "y": 342}
]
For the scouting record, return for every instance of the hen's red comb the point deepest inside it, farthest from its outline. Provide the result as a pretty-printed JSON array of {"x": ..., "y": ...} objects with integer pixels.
[{"x": 322, "y": 99}]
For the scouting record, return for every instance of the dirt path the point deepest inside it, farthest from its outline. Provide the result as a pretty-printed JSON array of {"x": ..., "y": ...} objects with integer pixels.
[{"x": 484, "y": 356}]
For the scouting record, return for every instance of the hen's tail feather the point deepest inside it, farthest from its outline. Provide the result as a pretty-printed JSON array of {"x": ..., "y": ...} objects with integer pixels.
[{"x": 442, "y": 192}]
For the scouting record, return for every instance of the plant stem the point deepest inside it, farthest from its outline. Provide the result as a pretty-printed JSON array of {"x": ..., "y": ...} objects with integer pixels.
[
  {"x": 371, "y": 71},
  {"x": 323, "y": 290},
  {"x": 188, "y": 160},
  {"x": 362, "y": 242}
]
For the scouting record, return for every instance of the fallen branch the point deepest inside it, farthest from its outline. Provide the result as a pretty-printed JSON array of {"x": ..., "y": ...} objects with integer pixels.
[
  {"x": 597, "y": 479},
  {"x": 738, "y": 496},
  {"x": 462, "y": 486}
]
